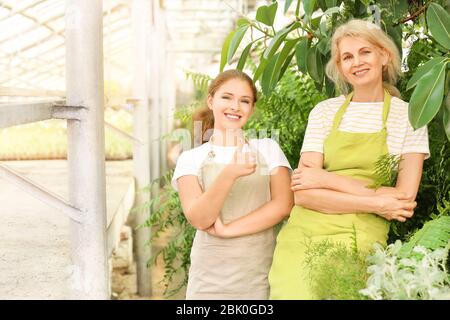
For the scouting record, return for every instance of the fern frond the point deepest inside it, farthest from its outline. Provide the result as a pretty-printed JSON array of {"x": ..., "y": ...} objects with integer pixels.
[
  {"x": 386, "y": 171},
  {"x": 201, "y": 81},
  {"x": 433, "y": 235}
]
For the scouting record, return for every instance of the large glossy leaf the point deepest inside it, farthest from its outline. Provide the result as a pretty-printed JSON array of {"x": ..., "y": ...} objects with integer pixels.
[
  {"x": 301, "y": 52},
  {"x": 266, "y": 14},
  {"x": 396, "y": 34},
  {"x": 399, "y": 8},
  {"x": 446, "y": 120},
  {"x": 235, "y": 41},
  {"x": 271, "y": 75},
  {"x": 243, "y": 57},
  {"x": 260, "y": 69},
  {"x": 287, "y": 4},
  {"x": 324, "y": 45},
  {"x": 286, "y": 65},
  {"x": 314, "y": 65},
  {"x": 439, "y": 24},
  {"x": 267, "y": 74},
  {"x": 422, "y": 70},
  {"x": 322, "y": 4},
  {"x": 242, "y": 21},
  {"x": 278, "y": 39},
  {"x": 427, "y": 97},
  {"x": 308, "y": 6},
  {"x": 446, "y": 117},
  {"x": 225, "y": 47}
]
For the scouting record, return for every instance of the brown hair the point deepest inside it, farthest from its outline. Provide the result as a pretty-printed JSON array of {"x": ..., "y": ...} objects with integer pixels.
[
  {"x": 372, "y": 33},
  {"x": 205, "y": 115}
]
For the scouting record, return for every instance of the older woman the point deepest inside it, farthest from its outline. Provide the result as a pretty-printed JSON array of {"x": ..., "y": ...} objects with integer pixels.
[{"x": 344, "y": 139}]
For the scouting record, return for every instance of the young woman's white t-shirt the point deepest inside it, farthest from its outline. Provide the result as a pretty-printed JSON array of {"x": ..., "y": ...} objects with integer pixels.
[{"x": 190, "y": 161}]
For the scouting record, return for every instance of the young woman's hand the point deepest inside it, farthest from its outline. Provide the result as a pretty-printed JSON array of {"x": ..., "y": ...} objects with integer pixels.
[
  {"x": 242, "y": 164},
  {"x": 309, "y": 178},
  {"x": 395, "y": 206},
  {"x": 218, "y": 229}
]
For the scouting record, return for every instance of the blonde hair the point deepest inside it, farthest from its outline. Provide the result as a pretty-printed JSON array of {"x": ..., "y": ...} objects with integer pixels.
[{"x": 372, "y": 33}]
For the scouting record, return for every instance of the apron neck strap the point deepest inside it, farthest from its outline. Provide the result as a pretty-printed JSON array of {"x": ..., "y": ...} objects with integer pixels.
[{"x": 339, "y": 115}]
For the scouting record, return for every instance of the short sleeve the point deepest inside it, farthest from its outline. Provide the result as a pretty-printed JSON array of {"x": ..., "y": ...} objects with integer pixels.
[
  {"x": 315, "y": 130},
  {"x": 274, "y": 156},
  {"x": 186, "y": 165},
  {"x": 416, "y": 141}
]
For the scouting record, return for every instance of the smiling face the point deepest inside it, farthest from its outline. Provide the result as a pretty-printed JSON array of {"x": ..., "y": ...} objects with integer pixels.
[
  {"x": 360, "y": 62},
  {"x": 232, "y": 104}
]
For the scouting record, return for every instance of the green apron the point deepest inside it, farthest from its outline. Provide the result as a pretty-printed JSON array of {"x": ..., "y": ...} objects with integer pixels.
[{"x": 348, "y": 154}]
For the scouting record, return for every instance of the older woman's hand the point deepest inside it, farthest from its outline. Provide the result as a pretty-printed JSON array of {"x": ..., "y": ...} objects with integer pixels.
[{"x": 309, "y": 178}]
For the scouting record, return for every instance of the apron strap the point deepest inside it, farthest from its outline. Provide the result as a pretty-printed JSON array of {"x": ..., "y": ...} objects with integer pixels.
[
  {"x": 341, "y": 111},
  {"x": 339, "y": 115},
  {"x": 386, "y": 107}
]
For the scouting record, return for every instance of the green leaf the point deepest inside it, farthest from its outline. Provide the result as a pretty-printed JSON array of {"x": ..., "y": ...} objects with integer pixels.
[
  {"x": 244, "y": 55},
  {"x": 260, "y": 69},
  {"x": 287, "y": 4},
  {"x": 446, "y": 117},
  {"x": 278, "y": 39},
  {"x": 433, "y": 235},
  {"x": 322, "y": 4},
  {"x": 314, "y": 65},
  {"x": 301, "y": 51},
  {"x": 396, "y": 34},
  {"x": 243, "y": 22},
  {"x": 422, "y": 70},
  {"x": 286, "y": 65},
  {"x": 427, "y": 97},
  {"x": 225, "y": 47},
  {"x": 266, "y": 14},
  {"x": 235, "y": 41},
  {"x": 271, "y": 75},
  {"x": 267, "y": 74},
  {"x": 439, "y": 24},
  {"x": 308, "y": 6},
  {"x": 331, "y": 3},
  {"x": 324, "y": 46},
  {"x": 399, "y": 8},
  {"x": 446, "y": 120}
]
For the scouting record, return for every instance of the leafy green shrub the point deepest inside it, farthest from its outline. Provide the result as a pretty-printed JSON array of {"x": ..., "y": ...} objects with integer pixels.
[
  {"x": 336, "y": 272},
  {"x": 167, "y": 217}
]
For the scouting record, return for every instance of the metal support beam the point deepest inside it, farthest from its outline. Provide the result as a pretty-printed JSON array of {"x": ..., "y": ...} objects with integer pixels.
[
  {"x": 41, "y": 193},
  {"x": 21, "y": 92},
  {"x": 140, "y": 13},
  {"x": 122, "y": 133},
  {"x": 86, "y": 149},
  {"x": 21, "y": 113}
]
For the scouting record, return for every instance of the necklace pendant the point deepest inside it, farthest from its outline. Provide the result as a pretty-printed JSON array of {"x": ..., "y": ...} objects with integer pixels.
[{"x": 211, "y": 154}]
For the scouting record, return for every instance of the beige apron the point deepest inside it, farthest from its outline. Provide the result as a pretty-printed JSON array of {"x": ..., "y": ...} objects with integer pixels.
[{"x": 235, "y": 268}]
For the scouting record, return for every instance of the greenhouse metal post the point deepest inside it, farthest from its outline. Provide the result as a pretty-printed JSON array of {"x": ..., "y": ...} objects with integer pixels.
[{"x": 86, "y": 154}]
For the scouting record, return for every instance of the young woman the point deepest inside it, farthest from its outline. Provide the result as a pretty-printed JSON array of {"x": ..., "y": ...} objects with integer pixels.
[
  {"x": 345, "y": 136},
  {"x": 233, "y": 192}
]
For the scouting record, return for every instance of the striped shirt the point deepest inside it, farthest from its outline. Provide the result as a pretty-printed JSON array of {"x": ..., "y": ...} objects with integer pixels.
[{"x": 366, "y": 117}]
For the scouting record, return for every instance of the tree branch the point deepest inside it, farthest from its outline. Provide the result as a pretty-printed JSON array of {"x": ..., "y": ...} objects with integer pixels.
[{"x": 414, "y": 15}]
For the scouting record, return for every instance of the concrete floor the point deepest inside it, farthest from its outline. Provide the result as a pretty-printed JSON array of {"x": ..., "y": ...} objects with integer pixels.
[{"x": 34, "y": 238}]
